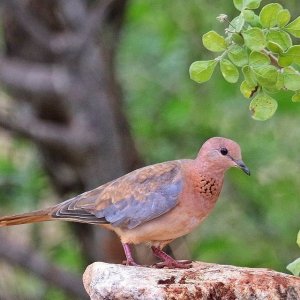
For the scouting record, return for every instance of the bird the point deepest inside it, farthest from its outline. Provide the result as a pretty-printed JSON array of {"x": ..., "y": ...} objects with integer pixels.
[{"x": 153, "y": 205}]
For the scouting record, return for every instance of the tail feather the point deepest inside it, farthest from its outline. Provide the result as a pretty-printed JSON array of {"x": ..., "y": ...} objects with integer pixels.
[
  {"x": 68, "y": 210},
  {"x": 32, "y": 217}
]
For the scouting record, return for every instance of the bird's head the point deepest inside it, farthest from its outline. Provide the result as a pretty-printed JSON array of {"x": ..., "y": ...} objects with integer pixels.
[{"x": 221, "y": 154}]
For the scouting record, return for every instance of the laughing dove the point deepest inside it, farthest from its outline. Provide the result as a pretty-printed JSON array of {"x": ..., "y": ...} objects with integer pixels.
[{"x": 152, "y": 205}]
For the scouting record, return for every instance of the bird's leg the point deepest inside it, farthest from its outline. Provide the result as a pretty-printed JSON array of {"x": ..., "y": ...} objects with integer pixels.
[
  {"x": 129, "y": 259},
  {"x": 168, "y": 261}
]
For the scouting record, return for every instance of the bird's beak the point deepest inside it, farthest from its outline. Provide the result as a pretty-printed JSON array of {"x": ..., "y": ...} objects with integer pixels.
[{"x": 240, "y": 164}]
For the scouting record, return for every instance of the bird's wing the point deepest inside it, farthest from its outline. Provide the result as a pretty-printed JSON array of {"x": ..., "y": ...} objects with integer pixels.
[{"x": 128, "y": 201}]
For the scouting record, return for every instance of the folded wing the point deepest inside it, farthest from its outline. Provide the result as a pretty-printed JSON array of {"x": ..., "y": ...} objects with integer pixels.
[{"x": 128, "y": 201}]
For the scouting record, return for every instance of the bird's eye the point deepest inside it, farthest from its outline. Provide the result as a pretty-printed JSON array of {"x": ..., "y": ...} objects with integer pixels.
[{"x": 223, "y": 151}]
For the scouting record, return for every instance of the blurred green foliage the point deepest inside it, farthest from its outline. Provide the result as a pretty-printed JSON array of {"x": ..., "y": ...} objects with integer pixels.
[
  {"x": 256, "y": 219},
  {"x": 21, "y": 178},
  {"x": 23, "y": 185},
  {"x": 294, "y": 267}
]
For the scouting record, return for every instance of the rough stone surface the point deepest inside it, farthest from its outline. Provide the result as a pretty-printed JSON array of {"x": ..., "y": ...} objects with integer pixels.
[{"x": 203, "y": 281}]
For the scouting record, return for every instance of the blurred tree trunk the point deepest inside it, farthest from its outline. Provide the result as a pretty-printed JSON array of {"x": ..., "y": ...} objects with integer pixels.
[{"x": 58, "y": 65}]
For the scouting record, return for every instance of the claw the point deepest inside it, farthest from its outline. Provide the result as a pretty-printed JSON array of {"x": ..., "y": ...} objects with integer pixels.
[
  {"x": 176, "y": 264},
  {"x": 130, "y": 263},
  {"x": 168, "y": 261}
]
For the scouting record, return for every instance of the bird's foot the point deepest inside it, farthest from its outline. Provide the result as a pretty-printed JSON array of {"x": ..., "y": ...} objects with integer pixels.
[
  {"x": 174, "y": 264},
  {"x": 129, "y": 259},
  {"x": 130, "y": 263},
  {"x": 168, "y": 261}
]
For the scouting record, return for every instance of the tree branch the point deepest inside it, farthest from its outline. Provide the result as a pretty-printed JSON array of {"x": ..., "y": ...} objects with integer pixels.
[
  {"x": 273, "y": 59},
  {"x": 30, "y": 23},
  {"x": 95, "y": 18},
  {"x": 64, "y": 42},
  {"x": 36, "y": 79},
  {"x": 75, "y": 42},
  {"x": 76, "y": 136},
  {"x": 74, "y": 12},
  {"x": 31, "y": 260}
]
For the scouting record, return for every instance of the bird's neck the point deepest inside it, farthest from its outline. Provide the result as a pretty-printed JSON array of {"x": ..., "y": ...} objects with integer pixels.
[
  {"x": 211, "y": 170},
  {"x": 206, "y": 184}
]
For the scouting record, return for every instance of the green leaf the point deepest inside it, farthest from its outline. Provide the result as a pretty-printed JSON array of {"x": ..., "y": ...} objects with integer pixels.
[
  {"x": 298, "y": 235},
  {"x": 296, "y": 98},
  {"x": 294, "y": 52},
  {"x": 281, "y": 38},
  {"x": 251, "y": 4},
  {"x": 236, "y": 24},
  {"x": 249, "y": 76},
  {"x": 254, "y": 39},
  {"x": 268, "y": 15},
  {"x": 239, "y": 4},
  {"x": 272, "y": 89},
  {"x": 247, "y": 90},
  {"x": 238, "y": 55},
  {"x": 294, "y": 267},
  {"x": 214, "y": 41},
  {"x": 284, "y": 61},
  {"x": 229, "y": 71},
  {"x": 201, "y": 71},
  {"x": 251, "y": 18},
  {"x": 291, "y": 79},
  {"x": 275, "y": 88},
  {"x": 283, "y": 17},
  {"x": 292, "y": 55},
  {"x": 237, "y": 39},
  {"x": 257, "y": 59},
  {"x": 266, "y": 76},
  {"x": 294, "y": 27},
  {"x": 263, "y": 107},
  {"x": 274, "y": 47}
]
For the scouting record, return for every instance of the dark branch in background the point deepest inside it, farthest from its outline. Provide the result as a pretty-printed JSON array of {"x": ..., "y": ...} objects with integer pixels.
[
  {"x": 25, "y": 124},
  {"x": 95, "y": 19},
  {"x": 30, "y": 23},
  {"x": 63, "y": 42},
  {"x": 29, "y": 259},
  {"x": 37, "y": 79},
  {"x": 75, "y": 41},
  {"x": 74, "y": 12}
]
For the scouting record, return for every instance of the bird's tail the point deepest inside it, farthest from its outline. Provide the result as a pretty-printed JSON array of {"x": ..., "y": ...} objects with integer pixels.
[{"x": 32, "y": 217}]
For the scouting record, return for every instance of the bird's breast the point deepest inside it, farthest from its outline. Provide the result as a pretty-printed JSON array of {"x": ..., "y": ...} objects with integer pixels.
[
  {"x": 205, "y": 186},
  {"x": 200, "y": 194}
]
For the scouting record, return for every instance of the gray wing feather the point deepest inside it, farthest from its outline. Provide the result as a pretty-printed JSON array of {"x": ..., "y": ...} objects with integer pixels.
[
  {"x": 129, "y": 201},
  {"x": 130, "y": 212}
]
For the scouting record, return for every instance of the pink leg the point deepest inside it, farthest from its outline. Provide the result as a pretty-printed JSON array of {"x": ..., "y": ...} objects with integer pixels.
[
  {"x": 129, "y": 259},
  {"x": 168, "y": 261}
]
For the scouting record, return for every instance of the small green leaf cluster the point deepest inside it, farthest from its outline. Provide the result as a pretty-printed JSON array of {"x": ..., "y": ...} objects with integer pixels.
[
  {"x": 294, "y": 267},
  {"x": 260, "y": 45}
]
